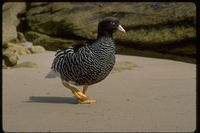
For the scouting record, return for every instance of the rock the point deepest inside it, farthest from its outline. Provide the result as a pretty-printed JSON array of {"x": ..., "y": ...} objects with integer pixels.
[
  {"x": 189, "y": 49},
  {"x": 19, "y": 49},
  {"x": 21, "y": 37},
  {"x": 64, "y": 20},
  {"x": 153, "y": 26},
  {"x": 157, "y": 24},
  {"x": 27, "y": 44},
  {"x": 38, "y": 4},
  {"x": 31, "y": 36},
  {"x": 151, "y": 23},
  {"x": 27, "y": 64},
  {"x": 33, "y": 49},
  {"x": 3, "y": 64},
  {"x": 37, "y": 49},
  {"x": 9, "y": 58},
  {"x": 10, "y": 19},
  {"x": 48, "y": 42}
]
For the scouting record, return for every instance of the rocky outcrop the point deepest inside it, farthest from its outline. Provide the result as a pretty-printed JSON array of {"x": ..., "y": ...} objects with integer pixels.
[
  {"x": 154, "y": 25},
  {"x": 14, "y": 43},
  {"x": 165, "y": 27},
  {"x": 50, "y": 43},
  {"x": 17, "y": 48},
  {"x": 11, "y": 11},
  {"x": 9, "y": 58},
  {"x": 151, "y": 23},
  {"x": 11, "y": 52}
]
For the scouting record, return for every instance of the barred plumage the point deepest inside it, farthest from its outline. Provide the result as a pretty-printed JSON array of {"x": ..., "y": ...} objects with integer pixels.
[{"x": 86, "y": 64}]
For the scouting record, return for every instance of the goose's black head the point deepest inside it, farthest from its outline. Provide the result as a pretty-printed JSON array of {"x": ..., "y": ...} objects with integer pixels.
[{"x": 108, "y": 25}]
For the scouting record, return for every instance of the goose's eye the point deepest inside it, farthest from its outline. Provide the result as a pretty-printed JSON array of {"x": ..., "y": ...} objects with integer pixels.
[{"x": 113, "y": 23}]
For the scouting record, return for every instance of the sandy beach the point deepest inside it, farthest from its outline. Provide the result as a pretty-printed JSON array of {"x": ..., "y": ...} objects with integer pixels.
[{"x": 143, "y": 95}]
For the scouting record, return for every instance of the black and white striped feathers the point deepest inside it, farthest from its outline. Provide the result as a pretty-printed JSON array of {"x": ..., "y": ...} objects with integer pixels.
[{"x": 87, "y": 64}]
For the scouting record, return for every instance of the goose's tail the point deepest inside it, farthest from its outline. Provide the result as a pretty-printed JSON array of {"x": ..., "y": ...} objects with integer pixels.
[
  {"x": 57, "y": 62},
  {"x": 52, "y": 74}
]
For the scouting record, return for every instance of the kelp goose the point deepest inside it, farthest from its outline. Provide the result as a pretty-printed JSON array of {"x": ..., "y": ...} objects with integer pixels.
[{"x": 85, "y": 64}]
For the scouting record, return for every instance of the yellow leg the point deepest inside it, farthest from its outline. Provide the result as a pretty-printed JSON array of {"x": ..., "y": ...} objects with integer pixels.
[
  {"x": 76, "y": 92},
  {"x": 85, "y": 89},
  {"x": 85, "y": 101}
]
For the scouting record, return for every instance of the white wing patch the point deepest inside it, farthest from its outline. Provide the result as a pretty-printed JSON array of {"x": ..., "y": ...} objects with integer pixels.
[{"x": 52, "y": 74}]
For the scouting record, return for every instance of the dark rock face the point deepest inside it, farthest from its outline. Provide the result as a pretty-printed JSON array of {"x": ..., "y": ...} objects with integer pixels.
[
  {"x": 148, "y": 25},
  {"x": 165, "y": 27},
  {"x": 151, "y": 23}
]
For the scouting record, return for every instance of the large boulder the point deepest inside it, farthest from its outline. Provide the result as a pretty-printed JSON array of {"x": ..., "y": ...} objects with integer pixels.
[
  {"x": 165, "y": 27},
  {"x": 9, "y": 59},
  {"x": 17, "y": 48},
  {"x": 64, "y": 19},
  {"x": 145, "y": 23},
  {"x": 48, "y": 42},
  {"x": 11, "y": 11}
]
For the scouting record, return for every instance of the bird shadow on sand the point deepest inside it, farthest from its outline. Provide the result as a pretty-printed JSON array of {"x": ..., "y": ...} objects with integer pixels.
[{"x": 48, "y": 99}]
